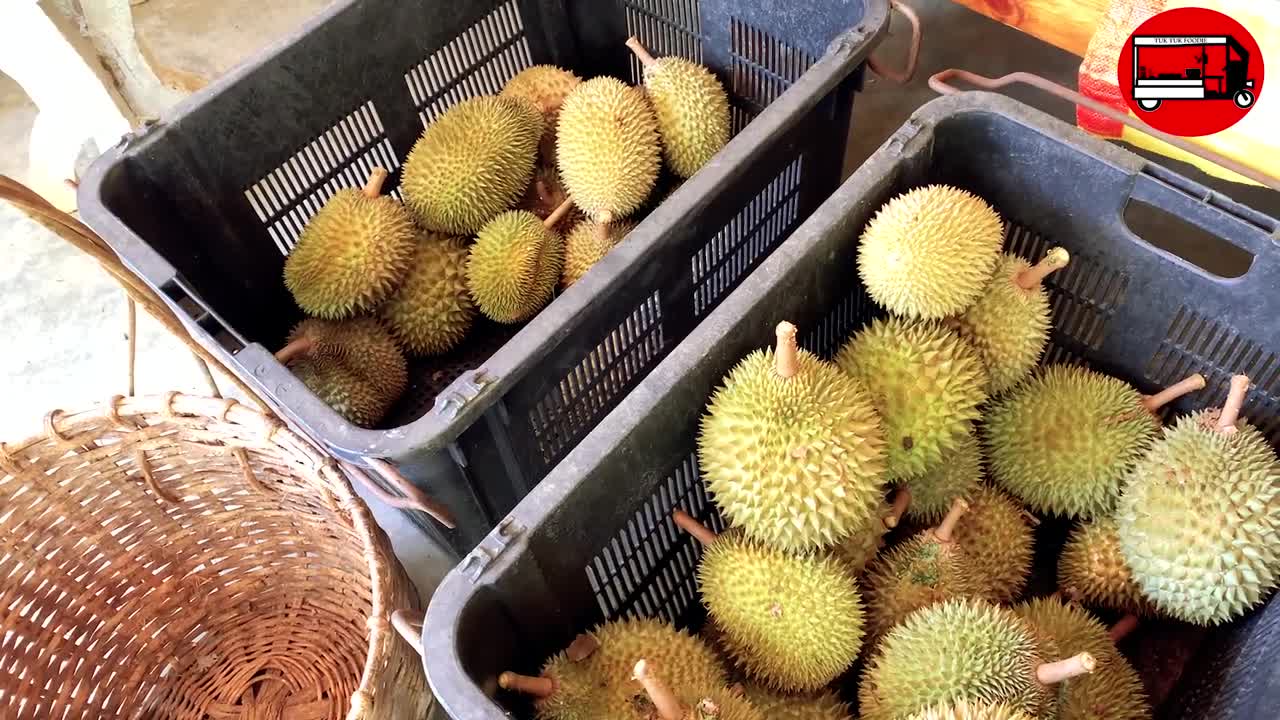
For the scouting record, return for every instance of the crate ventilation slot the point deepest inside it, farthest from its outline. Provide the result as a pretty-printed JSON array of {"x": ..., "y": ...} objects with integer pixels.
[
  {"x": 1195, "y": 343},
  {"x": 565, "y": 414},
  {"x": 762, "y": 224},
  {"x": 341, "y": 157},
  {"x": 831, "y": 333},
  {"x": 763, "y": 66},
  {"x": 666, "y": 27},
  {"x": 650, "y": 567},
  {"x": 477, "y": 62}
]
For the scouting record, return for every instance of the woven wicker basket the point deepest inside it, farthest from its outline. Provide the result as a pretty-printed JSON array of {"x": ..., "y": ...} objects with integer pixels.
[{"x": 186, "y": 557}]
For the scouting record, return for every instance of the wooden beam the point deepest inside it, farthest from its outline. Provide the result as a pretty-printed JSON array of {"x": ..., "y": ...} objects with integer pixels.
[{"x": 1067, "y": 24}]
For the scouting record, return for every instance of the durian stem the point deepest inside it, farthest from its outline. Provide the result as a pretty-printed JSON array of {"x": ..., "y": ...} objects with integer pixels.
[
  {"x": 1189, "y": 384},
  {"x": 539, "y": 687},
  {"x": 669, "y": 708},
  {"x": 787, "y": 355},
  {"x": 1123, "y": 627},
  {"x": 690, "y": 524},
  {"x": 947, "y": 528},
  {"x": 1235, "y": 401},
  {"x": 901, "y": 501},
  {"x": 373, "y": 186},
  {"x": 1074, "y": 666},
  {"x": 558, "y": 214},
  {"x": 582, "y": 647},
  {"x": 297, "y": 348},
  {"x": 602, "y": 232},
  {"x": 1055, "y": 259},
  {"x": 645, "y": 58}
]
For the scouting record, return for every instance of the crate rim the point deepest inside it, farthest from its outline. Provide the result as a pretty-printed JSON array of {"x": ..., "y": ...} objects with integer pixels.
[{"x": 506, "y": 366}]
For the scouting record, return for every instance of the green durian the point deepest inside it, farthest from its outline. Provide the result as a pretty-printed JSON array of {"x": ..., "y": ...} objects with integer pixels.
[
  {"x": 354, "y": 366},
  {"x": 956, "y": 476},
  {"x": 1092, "y": 569},
  {"x": 971, "y": 711},
  {"x": 432, "y": 310},
  {"x": 1009, "y": 323},
  {"x": 514, "y": 266},
  {"x": 1200, "y": 516},
  {"x": 1063, "y": 441},
  {"x": 822, "y": 705},
  {"x": 926, "y": 384},
  {"x": 353, "y": 254},
  {"x": 791, "y": 449},
  {"x": 607, "y": 148},
  {"x": 586, "y": 244},
  {"x": 691, "y": 107},
  {"x": 929, "y": 253},
  {"x": 998, "y": 542}
]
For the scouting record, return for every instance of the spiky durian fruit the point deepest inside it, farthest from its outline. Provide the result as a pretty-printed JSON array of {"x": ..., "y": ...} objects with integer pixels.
[
  {"x": 971, "y": 711},
  {"x": 822, "y": 705},
  {"x": 929, "y": 253},
  {"x": 922, "y": 571},
  {"x": 1009, "y": 324},
  {"x": 546, "y": 194},
  {"x": 607, "y": 147},
  {"x": 1200, "y": 515},
  {"x": 998, "y": 542},
  {"x": 1092, "y": 569},
  {"x": 1063, "y": 440},
  {"x": 964, "y": 649},
  {"x": 926, "y": 384},
  {"x": 1113, "y": 691},
  {"x": 791, "y": 622},
  {"x": 791, "y": 448},
  {"x": 545, "y": 87},
  {"x": 432, "y": 311},
  {"x": 955, "y": 476},
  {"x": 352, "y": 365},
  {"x": 710, "y": 702},
  {"x": 514, "y": 266},
  {"x": 859, "y": 547},
  {"x": 586, "y": 244},
  {"x": 592, "y": 678},
  {"x": 352, "y": 255},
  {"x": 471, "y": 163},
  {"x": 691, "y": 107}
]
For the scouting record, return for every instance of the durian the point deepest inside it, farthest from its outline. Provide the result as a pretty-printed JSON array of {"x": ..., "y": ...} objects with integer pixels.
[
  {"x": 926, "y": 384},
  {"x": 1092, "y": 569},
  {"x": 971, "y": 711},
  {"x": 471, "y": 163},
  {"x": 956, "y": 476},
  {"x": 711, "y": 702},
  {"x": 1200, "y": 515},
  {"x": 607, "y": 148},
  {"x": 546, "y": 194},
  {"x": 691, "y": 107},
  {"x": 1009, "y": 324},
  {"x": 859, "y": 547},
  {"x": 822, "y": 705},
  {"x": 923, "y": 570},
  {"x": 515, "y": 264},
  {"x": 930, "y": 252},
  {"x": 545, "y": 87},
  {"x": 1063, "y": 440},
  {"x": 592, "y": 678},
  {"x": 791, "y": 622},
  {"x": 432, "y": 311},
  {"x": 998, "y": 542},
  {"x": 1113, "y": 691},
  {"x": 586, "y": 244},
  {"x": 791, "y": 448},
  {"x": 352, "y": 255},
  {"x": 352, "y": 365},
  {"x": 964, "y": 649}
]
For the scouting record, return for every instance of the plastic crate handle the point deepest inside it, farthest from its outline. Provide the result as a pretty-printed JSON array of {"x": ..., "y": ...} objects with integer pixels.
[
  {"x": 939, "y": 84},
  {"x": 902, "y": 77}
]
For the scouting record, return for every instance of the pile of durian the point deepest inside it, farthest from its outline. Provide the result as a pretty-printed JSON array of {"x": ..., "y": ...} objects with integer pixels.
[
  {"x": 507, "y": 199},
  {"x": 934, "y": 432}
]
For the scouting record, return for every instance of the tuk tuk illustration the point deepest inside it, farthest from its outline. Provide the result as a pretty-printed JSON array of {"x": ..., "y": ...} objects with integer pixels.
[{"x": 1209, "y": 81}]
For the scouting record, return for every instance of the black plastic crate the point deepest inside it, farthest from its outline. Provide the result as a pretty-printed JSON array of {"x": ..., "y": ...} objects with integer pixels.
[
  {"x": 206, "y": 203},
  {"x": 595, "y": 541}
]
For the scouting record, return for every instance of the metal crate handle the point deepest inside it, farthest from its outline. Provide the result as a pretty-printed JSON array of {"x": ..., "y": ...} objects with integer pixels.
[
  {"x": 410, "y": 497},
  {"x": 902, "y": 77},
  {"x": 939, "y": 84}
]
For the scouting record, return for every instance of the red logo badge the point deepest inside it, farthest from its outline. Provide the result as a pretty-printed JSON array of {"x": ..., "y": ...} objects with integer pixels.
[{"x": 1190, "y": 72}]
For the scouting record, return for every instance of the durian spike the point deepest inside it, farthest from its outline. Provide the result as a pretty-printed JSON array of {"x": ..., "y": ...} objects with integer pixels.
[
  {"x": 539, "y": 687},
  {"x": 373, "y": 186},
  {"x": 689, "y": 524},
  {"x": 1189, "y": 384},
  {"x": 669, "y": 708},
  {"x": 787, "y": 355},
  {"x": 1056, "y": 259},
  {"x": 642, "y": 54},
  {"x": 297, "y": 348},
  {"x": 1055, "y": 672},
  {"x": 558, "y": 214},
  {"x": 901, "y": 501},
  {"x": 1235, "y": 401},
  {"x": 1123, "y": 627},
  {"x": 947, "y": 528}
]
